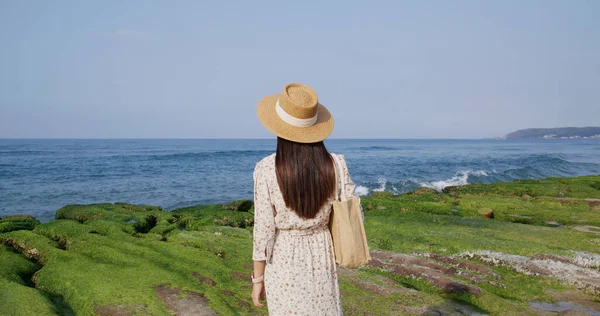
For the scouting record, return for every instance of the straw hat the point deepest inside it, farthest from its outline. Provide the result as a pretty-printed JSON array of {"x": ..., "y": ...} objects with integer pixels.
[{"x": 295, "y": 115}]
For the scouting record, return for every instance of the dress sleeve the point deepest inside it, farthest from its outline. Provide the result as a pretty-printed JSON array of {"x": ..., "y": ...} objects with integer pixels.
[
  {"x": 350, "y": 185},
  {"x": 264, "y": 217}
]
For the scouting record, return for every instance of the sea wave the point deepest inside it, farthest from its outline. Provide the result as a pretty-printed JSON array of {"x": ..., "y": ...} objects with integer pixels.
[
  {"x": 212, "y": 154},
  {"x": 382, "y": 148},
  {"x": 361, "y": 190},
  {"x": 10, "y": 152},
  {"x": 42, "y": 176},
  {"x": 522, "y": 167},
  {"x": 460, "y": 178},
  {"x": 382, "y": 183}
]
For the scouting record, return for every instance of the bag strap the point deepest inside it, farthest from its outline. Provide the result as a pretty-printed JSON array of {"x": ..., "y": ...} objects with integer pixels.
[{"x": 339, "y": 186}]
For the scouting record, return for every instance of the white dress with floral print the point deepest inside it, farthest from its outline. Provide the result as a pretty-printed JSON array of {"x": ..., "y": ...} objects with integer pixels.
[{"x": 301, "y": 274}]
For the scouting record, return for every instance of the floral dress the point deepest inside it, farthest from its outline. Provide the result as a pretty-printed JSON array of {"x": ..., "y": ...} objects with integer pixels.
[{"x": 301, "y": 274}]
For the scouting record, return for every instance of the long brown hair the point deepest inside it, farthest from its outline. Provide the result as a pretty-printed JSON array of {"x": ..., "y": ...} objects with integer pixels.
[{"x": 306, "y": 176}]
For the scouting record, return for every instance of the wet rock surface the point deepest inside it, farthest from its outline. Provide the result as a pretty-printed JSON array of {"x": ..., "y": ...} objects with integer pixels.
[
  {"x": 184, "y": 303},
  {"x": 566, "y": 270},
  {"x": 415, "y": 267}
]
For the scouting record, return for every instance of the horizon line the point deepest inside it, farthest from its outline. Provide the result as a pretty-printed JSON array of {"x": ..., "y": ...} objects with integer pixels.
[{"x": 233, "y": 138}]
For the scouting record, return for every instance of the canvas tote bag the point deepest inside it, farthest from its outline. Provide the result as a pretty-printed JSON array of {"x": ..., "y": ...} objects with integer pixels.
[{"x": 346, "y": 225}]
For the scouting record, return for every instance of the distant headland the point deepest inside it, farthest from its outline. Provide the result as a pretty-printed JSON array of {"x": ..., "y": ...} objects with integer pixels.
[{"x": 555, "y": 133}]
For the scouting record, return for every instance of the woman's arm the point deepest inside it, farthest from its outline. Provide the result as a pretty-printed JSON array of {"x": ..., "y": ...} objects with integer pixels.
[
  {"x": 258, "y": 289},
  {"x": 264, "y": 232},
  {"x": 264, "y": 217},
  {"x": 259, "y": 268}
]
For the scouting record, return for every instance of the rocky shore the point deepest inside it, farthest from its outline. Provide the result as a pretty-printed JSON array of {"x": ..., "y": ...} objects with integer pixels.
[{"x": 518, "y": 248}]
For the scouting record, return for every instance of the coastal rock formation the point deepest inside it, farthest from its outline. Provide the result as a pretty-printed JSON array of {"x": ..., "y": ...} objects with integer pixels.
[
  {"x": 486, "y": 212},
  {"x": 381, "y": 194},
  {"x": 556, "y": 133},
  {"x": 414, "y": 267},
  {"x": 184, "y": 303},
  {"x": 240, "y": 205},
  {"x": 424, "y": 190},
  {"x": 433, "y": 254},
  {"x": 566, "y": 270},
  {"x": 17, "y": 222}
]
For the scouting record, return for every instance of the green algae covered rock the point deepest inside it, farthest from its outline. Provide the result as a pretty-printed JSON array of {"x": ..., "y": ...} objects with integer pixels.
[
  {"x": 579, "y": 187},
  {"x": 116, "y": 211},
  {"x": 211, "y": 215},
  {"x": 143, "y": 253},
  {"x": 381, "y": 194},
  {"x": 124, "y": 259},
  {"x": 99, "y": 268},
  {"x": 20, "y": 300},
  {"x": 17, "y": 294},
  {"x": 424, "y": 190},
  {"x": 15, "y": 268},
  {"x": 17, "y": 222},
  {"x": 486, "y": 212},
  {"x": 239, "y": 205}
]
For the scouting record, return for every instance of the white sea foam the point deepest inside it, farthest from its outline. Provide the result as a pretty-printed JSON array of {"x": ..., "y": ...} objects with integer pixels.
[
  {"x": 361, "y": 190},
  {"x": 460, "y": 178},
  {"x": 382, "y": 183}
]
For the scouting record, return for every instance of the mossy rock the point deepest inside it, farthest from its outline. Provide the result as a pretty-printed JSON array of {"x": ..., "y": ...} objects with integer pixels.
[
  {"x": 579, "y": 187},
  {"x": 184, "y": 221},
  {"x": 210, "y": 215},
  {"x": 18, "y": 222},
  {"x": 239, "y": 205},
  {"x": 141, "y": 218},
  {"x": 381, "y": 194},
  {"x": 452, "y": 189},
  {"x": 117, "y": 258},
  {"x": 424, "y": 190},
  {"x": 96, "y": 267},
  {"x": 20, "y": 300},
  {"x": 138, "y": 207},
  {"x": 82, "y": 213},
  {"x": 486, "y": 212}
]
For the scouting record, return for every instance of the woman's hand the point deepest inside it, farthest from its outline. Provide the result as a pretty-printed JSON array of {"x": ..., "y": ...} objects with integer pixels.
[{"x": 258, "y": 293}]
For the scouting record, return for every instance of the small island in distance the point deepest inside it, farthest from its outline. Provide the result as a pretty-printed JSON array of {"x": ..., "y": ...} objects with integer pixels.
[{"x": 555, "y": 133}]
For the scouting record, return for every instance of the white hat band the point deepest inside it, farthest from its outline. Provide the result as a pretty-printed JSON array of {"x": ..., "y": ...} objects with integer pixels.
[{"x": 294, "y": 121}]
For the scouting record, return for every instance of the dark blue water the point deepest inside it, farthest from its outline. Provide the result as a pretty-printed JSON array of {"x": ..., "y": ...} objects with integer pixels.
[{"x": 39, "y": 176}]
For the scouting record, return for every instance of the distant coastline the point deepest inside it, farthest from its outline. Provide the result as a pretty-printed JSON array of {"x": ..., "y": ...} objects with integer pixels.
[{"x": 555, "y": 133}]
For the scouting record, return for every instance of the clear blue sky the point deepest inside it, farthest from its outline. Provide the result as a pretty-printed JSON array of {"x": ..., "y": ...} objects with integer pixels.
[{"x": 394, "y": 69}]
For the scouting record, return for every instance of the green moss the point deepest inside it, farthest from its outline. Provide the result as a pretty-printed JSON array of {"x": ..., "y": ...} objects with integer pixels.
[
  {"x": 19, "y": 300},
  {"x": 358, "y": 301},
  {"x": 445, "y": 234},
  {"x": 17, "y": 222},
  {"x": 580, "y": 187},
  {"x": 213, "y": 215},
  {"x": 240, "y": 205},
  {"x": 113, "y": 256},
  {"x": 382, "y": 194},
  {"x": 15, "y": 268},
  {"x": 87, "y": 264},
  {"x": 17, "y": 294},
  {"x": 140, "y": 217},
  {"x": 106, "y": 227}
]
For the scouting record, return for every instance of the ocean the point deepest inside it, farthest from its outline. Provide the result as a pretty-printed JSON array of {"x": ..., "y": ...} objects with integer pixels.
[{"x": 37, "y": 177}]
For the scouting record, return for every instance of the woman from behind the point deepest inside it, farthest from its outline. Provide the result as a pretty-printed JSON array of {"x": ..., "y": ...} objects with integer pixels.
[{"x": 294, "y": 263}]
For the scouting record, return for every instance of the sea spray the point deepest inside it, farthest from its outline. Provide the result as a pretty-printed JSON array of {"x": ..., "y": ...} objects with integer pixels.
[
  {"x": 382, "y": 183},
  {"x": 361, "y": 190},
  {"x": 460, "y": 178}
]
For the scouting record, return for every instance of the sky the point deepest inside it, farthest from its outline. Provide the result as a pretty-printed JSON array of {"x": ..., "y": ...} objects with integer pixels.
[{"x": 385, "y": 69}]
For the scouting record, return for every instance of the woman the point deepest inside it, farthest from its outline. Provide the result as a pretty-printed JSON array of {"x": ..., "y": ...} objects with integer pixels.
[{"x": 294, "y": 188}]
